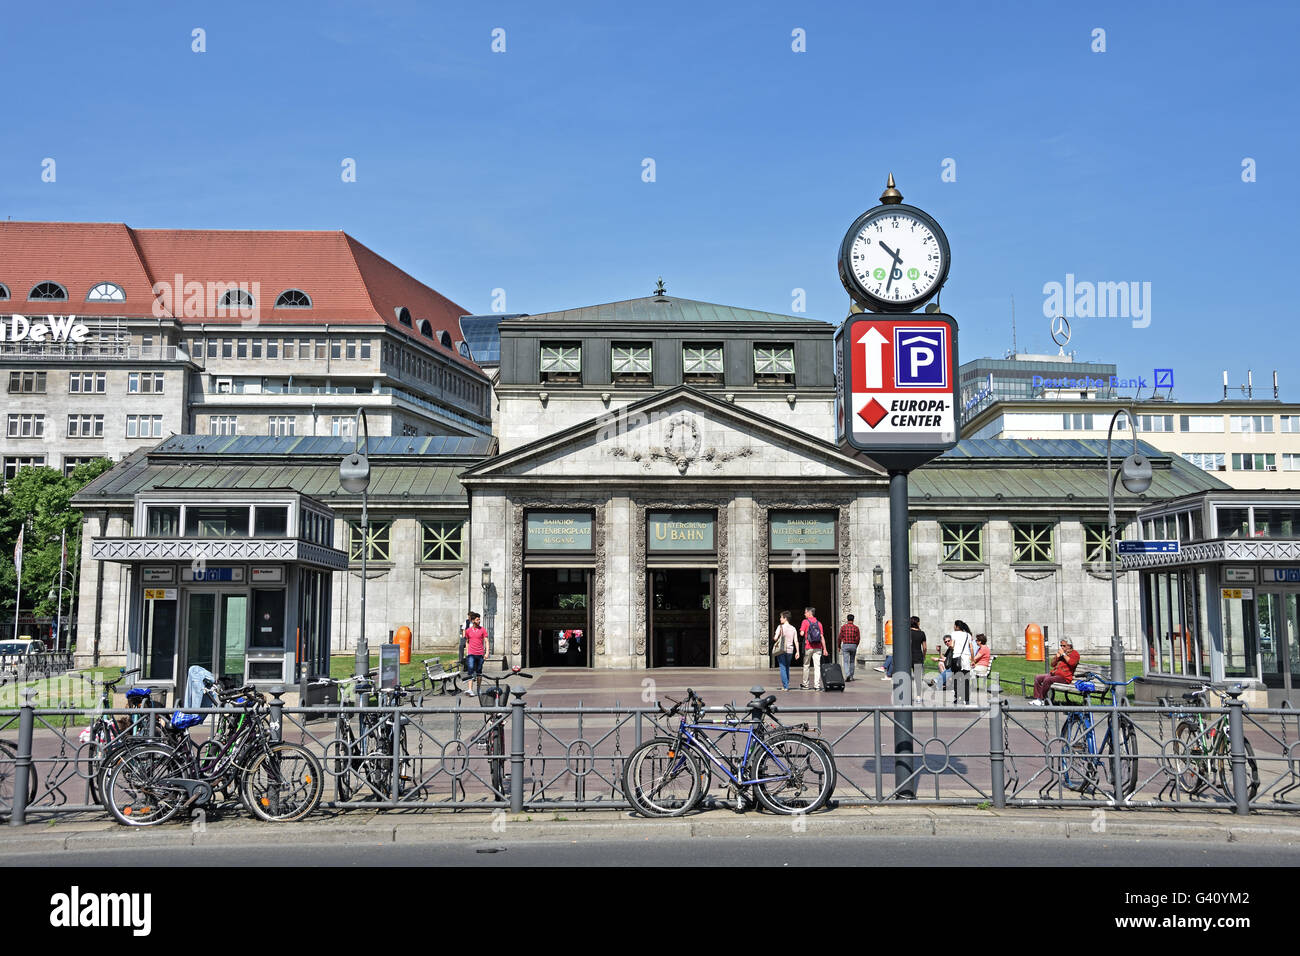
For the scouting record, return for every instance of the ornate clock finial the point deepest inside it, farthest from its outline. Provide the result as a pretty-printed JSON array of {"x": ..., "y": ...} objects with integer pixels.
[
  {"x": 891, "y": 195},
  {"x": 659, "y": 289}
]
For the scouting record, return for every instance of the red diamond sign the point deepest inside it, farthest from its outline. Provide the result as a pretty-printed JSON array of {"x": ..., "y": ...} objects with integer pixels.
[{"x": 873, "y": 413}]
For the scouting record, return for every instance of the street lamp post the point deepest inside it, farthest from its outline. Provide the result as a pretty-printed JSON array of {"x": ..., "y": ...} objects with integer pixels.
[
  {"x": 878, "y": 585},
  {"x": 354, "y": 476},
  {"x": 1135, "y": 474},
  {"x": 486, "y": 580}
]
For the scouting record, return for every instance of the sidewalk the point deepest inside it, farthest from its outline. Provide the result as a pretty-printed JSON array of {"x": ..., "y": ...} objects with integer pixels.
[{"x": 360, "y": 828}]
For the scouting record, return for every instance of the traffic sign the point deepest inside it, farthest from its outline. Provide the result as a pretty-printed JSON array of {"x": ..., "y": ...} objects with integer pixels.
[
  {"x": 899, "y": 386},
  {"x": 1148, "y": 547}
]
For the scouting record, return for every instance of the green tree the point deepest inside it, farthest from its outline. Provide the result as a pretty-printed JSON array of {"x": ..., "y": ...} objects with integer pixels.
[{"x": 40, "y": 498}]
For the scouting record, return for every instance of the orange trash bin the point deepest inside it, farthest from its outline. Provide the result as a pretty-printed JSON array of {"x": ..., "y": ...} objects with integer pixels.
[
  {"x": 403, "y": 640},
  {"x": 1033, "y": 643},
  {"x": 889, "y": 635}
]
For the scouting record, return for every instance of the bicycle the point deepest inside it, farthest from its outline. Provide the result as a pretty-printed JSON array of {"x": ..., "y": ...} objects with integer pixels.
[
  {"x": 492, "y": 736},
  {"x": 1083, "y": 760},
  {"x": 1203, "y": 752},
  {"x": 366, "y": 756},
  {"x": 663, "y": 776},
  {"x": 106, "y": 737},
  {"x": 276, "y": 781}
]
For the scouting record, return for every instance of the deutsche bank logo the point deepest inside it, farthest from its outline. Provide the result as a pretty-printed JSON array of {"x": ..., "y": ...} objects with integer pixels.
[
  {"x": 1164, "y": 378},
  {"x": 921, "y": 357}
]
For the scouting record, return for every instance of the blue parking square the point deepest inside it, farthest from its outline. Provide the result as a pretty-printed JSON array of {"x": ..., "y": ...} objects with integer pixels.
[{"x": 921, "y": 357}]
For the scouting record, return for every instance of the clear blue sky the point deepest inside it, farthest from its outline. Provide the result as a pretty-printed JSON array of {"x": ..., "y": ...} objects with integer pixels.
[{"x": 523, "y": 170}]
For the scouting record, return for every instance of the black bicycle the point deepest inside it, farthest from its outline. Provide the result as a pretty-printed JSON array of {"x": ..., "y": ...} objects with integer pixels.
[{"x": 492, "y": 736}]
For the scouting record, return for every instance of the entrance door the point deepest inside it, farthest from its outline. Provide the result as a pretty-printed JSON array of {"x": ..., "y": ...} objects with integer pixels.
[
  {"x": 557, "y": 603},
  {"x": 216, "y": 632},
  {"x": 1279, "y": 639},
  {"x": 795, "y": 590},
  {"x": 680, "y": 612}
]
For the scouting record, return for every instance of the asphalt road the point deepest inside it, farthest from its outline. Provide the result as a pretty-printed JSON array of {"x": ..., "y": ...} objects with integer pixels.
[{"x": 789, "y": 850}]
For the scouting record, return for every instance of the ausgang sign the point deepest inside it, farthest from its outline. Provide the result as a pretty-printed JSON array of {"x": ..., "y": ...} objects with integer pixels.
[{"x": 900, "y": 386}]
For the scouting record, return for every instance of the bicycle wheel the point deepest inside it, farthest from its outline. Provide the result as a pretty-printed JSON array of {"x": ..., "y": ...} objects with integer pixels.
[
  {"x": 1196, "y": 770},
  {"x": 1252, "y": 773},
  {"x": 106, "y": 758},
  {"x": 1128, "y": 756},
  {"x": 797, "y": 774},
  {"x": 1076, "y": 765},
  {"x": 8, "y": 771},
  {"x": 340, "y": 756},
  {"x": 821, "y": 745},
  {"x": 662, "y": 780},
  {"x": 283, "y": 784},
  {"x": 136, "y": 792},
  {"x": 496, "y": 755}
]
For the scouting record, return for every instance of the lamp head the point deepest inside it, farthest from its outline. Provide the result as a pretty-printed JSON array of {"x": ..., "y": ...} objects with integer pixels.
[
  {"x": 354, "y": 473},
  {"x": 1135, "y": 473}
]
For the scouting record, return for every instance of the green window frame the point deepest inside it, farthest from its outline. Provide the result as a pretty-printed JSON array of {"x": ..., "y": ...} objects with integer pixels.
[
  {"x": 561, "y": 362},
  {"x": 962, "y": 542},
  {"x": 702, "y": 362},
  {"x": 378, "y": 545},
  {"x": 631, "y": 362},
  {"x": 774, "y": 364},
  {"x": 442, "y": 541},
  {"x": 1096, "y": 542},
  {"x": 1031, "y": 542}
]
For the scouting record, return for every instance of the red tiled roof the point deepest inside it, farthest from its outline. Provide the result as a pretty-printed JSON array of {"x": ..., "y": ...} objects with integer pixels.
[{"x": 346, "y": 282}]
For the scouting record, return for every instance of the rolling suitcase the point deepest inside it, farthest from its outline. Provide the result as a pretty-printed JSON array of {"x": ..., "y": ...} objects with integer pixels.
[{"x": 832, "y": 675}]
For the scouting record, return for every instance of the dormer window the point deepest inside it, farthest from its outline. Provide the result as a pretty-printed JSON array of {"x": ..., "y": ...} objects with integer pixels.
[
  {"x": 106, "y": 292},
  {"x": 426, "y": 328},
  {"x": 403, "y": 315},
  {"x": 235, "y": 299},
  {"x": 631, "y": 364},
  {"x": 4, "y": 292},
  {"x": 293, "y": 299},
  {"x": 47, "y": 292},
  {"x": 561, "y": 362},
  {"x": 773, "y": 365},
  {"x": 702, "y": 364},
  {"x": 444, "y": 338}
]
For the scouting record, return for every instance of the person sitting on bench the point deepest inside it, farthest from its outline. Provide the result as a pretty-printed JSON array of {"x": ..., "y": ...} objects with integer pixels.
[{"x": 1062, "y": 671}]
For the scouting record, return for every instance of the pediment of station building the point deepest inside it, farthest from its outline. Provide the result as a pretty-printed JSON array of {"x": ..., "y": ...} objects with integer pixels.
[{"x": 680, "y": 434}]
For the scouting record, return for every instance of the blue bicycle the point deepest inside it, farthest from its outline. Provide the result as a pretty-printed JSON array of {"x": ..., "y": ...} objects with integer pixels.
[
  {"x": 1086, "y": 750},
  {"x": 665, "y": 777}
]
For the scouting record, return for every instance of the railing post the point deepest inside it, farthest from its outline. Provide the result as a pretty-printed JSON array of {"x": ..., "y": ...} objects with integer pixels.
[
  {"x": 23, "y": 761},
  {"x": 1237, "y": 747},
  {"x": 1117, "y": 751},
  {"x": 395, "y": 748},
  {"x": 517, "y": 750},
  {"x": 997, "y": 753},
  {"x": 277, "y": 714}
]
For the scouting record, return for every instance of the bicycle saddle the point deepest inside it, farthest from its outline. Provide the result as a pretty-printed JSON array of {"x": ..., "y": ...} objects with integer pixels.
[
  {"x": 181, "y": 721},
  {"x": 1192, "y": 695},
  {"x": 136, "y": 693}
]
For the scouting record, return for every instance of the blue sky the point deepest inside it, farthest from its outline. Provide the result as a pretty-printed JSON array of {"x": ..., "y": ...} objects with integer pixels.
[{"x": 523, "y": 170}]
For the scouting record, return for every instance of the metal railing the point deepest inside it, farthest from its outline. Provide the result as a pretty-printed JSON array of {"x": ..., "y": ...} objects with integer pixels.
[
  {"x": 522, "y": 757},
  {"x": 96, "y": 352},
  {"x": 19, "y": 667}
]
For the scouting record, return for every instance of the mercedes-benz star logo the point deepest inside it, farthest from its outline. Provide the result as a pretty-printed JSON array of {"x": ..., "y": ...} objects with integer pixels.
[{"x": 1061, "y": 330}]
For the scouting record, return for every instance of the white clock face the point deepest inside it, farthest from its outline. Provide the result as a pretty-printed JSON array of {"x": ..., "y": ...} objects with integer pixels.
[{"x": 896, "y": 257}]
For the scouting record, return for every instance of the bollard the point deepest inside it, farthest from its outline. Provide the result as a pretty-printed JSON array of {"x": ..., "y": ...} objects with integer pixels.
[
  {"x": 517, "y": 750},
  {"x": 23, "y": 761},
  {"x": 997, "y": 753},
  {"x": 1237, "y": 747}
]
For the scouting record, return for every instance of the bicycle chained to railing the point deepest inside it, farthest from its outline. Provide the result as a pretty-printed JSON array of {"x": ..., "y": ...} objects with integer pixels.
[
  {"x": 491, "y": 737},
  {"x": 108, "y": 737},
  {"x": 785, "y": 771},
  {"x": 1201, "y": 751},
  {"x": 370, "y": 755},
  {"x": 1085, "y": 755},
  {"x": 274, "y": 779}
]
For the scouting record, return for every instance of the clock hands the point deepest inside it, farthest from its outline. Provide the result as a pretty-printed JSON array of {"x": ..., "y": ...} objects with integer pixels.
[{"x": 896, "y": 272}]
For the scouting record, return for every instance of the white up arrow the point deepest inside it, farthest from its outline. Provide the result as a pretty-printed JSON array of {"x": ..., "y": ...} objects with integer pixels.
[{"x": 874, "y": 366}]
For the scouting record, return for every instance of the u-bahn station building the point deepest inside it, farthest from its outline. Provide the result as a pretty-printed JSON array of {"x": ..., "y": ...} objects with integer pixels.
[{"x": 639, "y": 484}]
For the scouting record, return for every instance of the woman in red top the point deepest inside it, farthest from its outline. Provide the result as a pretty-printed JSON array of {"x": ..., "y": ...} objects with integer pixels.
[{"x": 475, "y": 651}]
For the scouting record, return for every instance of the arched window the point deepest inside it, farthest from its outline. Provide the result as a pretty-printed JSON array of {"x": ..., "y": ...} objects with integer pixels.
[
  {"x": 47, "y": 292},
  {"x": 445, "y": 338},
  {"x": 403, "y": 315},
  {"x": 293, "y": 299},
  {"x": 426, "y": 328},
  {"x": 4, "y": 292},
  {"x": 236, "y": 299},
  {"x": 106, "y": 292}
]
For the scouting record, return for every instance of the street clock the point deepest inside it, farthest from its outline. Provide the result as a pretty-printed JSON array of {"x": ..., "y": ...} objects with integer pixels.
[{"x": 894, "y": 258}]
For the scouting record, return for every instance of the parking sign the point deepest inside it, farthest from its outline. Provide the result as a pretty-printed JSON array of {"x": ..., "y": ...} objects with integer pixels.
[{"x": 898, "y": 386}]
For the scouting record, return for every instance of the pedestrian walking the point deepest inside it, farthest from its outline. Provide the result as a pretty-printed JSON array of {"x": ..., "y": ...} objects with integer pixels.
[
  {"x": 849, "y": 638},
  {"x": 917, "y": 637},
  {"x": 785, "y": 644},
  {"x": 476, "y": 637},
  {"x": 963, "y": 653},
  {"x": 814, "y": 645}
]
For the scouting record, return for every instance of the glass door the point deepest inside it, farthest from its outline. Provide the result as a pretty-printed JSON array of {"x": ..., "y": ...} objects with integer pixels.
[
  {"x": 1278, "y": 635},
  {"x": 216, "y": 631}
]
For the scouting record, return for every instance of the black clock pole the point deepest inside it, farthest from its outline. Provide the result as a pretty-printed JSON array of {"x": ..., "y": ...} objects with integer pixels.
[{"x": 901, "y": 605}]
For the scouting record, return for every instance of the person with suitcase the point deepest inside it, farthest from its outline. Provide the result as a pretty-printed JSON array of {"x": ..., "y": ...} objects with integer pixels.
[{"x": 814, "y": 646}]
